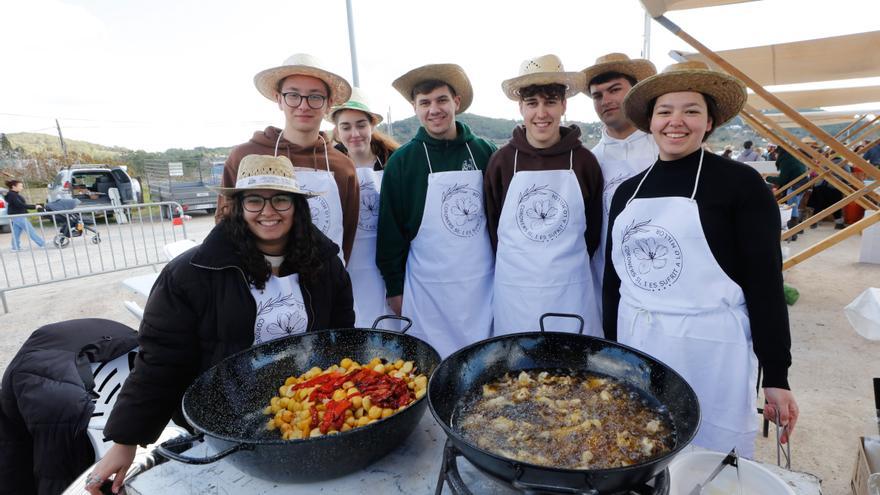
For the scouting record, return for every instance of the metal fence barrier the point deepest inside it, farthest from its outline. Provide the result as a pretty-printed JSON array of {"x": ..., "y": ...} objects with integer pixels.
[{"x": 89, "y": 241}]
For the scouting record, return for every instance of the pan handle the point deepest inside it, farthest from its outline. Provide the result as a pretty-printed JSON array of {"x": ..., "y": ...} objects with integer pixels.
[
  {"x": 164, "y": 449},
  {"x": 563, "y": 315},
  {"x": 541, "y": 488},
  {"x": 393, "y": 317}
]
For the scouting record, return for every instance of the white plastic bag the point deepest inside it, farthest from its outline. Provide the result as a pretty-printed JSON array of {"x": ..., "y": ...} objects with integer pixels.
[{"x": 864, "y": 313}]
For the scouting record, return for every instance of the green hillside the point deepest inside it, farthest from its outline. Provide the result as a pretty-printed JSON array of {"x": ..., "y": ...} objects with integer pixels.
[{"x": 33, "y": 143}]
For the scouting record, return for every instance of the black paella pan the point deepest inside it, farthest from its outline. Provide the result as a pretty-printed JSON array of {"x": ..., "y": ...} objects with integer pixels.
[
  {"x": 224, "y": 405},
  {"x": 466, "y": 370}
]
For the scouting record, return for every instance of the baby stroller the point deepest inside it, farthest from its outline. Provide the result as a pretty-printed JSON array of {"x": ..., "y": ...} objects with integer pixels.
[{"x": 70, "y": 225}]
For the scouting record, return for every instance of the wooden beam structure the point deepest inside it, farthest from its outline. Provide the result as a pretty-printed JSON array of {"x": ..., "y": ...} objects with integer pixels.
[{"x": 831, "y": 240}]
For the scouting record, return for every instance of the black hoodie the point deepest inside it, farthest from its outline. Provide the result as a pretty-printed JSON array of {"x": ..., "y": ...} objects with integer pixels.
[
  {"x": 200, "y": 311},
  {"x": 500, "y": 172}
]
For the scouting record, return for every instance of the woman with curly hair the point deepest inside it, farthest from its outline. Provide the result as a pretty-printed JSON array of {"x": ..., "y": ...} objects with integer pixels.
[
  {"x": 369, "y": 149},
  {"x": 264, "y": 272}
]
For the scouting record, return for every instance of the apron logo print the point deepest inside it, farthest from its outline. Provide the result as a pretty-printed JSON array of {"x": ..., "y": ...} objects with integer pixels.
[
  {"x": 320, "y": 210},
  {"x": 368, "y": 217},
  {"x": 289, "y": 316},
  {"x": 461, "y": 209},
  {"x": 541, "y": 214},
  {"x": 608, "y": 191},
  {"x": 652, "y": 256}
]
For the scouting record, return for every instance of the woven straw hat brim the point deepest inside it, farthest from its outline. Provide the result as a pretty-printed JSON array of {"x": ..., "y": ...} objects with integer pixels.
[
  {"x": 574, "y": 82},
  {"x": 267, "y": 81},
  {"x": 451, "y": 74},
  {"x": 639, "y": 69},
  {"x": 232, "y": 191},
  {"x": 729, "y": 93},
  {"x": 375, "y": 118}
]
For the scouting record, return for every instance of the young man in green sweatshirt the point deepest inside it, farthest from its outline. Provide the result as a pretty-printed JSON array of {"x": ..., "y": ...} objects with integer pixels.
[{"x": 432, "y": 244}]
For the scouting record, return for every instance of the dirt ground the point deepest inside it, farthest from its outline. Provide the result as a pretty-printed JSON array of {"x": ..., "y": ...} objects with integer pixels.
[{"x": 831, "y": 374}]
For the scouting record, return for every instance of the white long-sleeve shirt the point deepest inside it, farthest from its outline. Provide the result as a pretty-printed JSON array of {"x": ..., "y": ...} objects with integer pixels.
[{"x": 619, "y": 160}]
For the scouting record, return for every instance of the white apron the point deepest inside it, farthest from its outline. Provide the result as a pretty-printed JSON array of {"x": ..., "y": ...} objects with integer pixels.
[
  {"x": 367, "y": 284},
  {"x": 447, "y": 288},
  {"x": 281, "y": 310},
  {"x": 678, "y": 305},
  {"x": 326, "y": 209},
  {"x": 542, "y": 264}
]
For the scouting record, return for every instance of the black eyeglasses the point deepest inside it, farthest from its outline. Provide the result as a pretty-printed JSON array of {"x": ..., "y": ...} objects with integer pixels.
[
  {"x": 255, "y": 203},
  {"x": 295, "y": 99}
]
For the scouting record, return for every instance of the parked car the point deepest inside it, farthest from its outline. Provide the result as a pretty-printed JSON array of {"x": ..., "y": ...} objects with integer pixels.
[
  {"x": 5, "y": 222},
  {"x": 91, "y": 184}
]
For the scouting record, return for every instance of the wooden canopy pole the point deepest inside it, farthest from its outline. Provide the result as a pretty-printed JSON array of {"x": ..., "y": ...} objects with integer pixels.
[
  {"x": 831, "y": 240},
  {"x": 869, "y": 132},
  {"x": 771, "y": 98},
  {"x": 817, "y": 217},
  {"x": 791, "y": 184},
  {"x": 850, "y": 126},
  {"x": 758, "y": 121},
  {"x": 862, "y": 128}
]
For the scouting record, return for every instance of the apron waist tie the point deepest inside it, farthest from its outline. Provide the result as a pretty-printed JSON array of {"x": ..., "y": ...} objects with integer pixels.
[{"x": 640, "y": 311}]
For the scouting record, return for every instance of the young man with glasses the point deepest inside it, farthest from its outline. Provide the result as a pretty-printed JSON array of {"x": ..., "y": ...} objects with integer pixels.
[
  {"x": 432, "y": 247},
  {"x": 623, "y": 151},
  {"x": 304, "y": 91}
]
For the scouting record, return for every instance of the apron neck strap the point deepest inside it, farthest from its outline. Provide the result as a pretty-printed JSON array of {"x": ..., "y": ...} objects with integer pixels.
[
  {"x": 696, "y": 181},
  {"x": 430, "y": 169},
  {"x": 472, "y": 155},
  {"x": 326, "y": 156},
  {"x": 277, "y": 142},
  {"x": 699, "y": 169},
  {"x": 381, "y": 165},
  {"x": 571, "y": 160},
  {"x": 515, "y": 158}
]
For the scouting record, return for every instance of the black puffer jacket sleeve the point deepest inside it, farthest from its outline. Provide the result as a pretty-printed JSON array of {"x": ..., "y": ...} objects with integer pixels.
[{"x": 168, "y": 361}]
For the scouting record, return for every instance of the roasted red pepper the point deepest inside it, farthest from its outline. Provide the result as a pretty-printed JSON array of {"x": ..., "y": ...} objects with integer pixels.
[{"x": 334, "y": 415}]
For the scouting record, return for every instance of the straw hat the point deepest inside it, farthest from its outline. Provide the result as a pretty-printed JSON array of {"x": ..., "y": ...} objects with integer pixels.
[
  {"x": 451, "y": 74},
  {"x": 265, "y": 172},
  {"x": 357, "y": 101},
  {"x": 638, "y": 68},
  {"x": 728, "y": 92},
  {"x": 546, "y": 69},
  {"x": 808, "y": 140},
  {"x": 302, "y": 64}
]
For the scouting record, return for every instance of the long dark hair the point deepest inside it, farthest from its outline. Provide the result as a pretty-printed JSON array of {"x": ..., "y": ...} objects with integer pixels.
[{"x": 300, "y": 256}]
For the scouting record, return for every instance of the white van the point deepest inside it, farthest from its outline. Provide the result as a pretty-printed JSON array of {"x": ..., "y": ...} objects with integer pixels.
[{"x": 91, "y": 184}]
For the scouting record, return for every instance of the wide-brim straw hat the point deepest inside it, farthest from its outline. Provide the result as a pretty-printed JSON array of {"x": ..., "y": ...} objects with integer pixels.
[
  {"x": 637, "y": 68},
  {"x": 302, "y": 64},
  {"x": 539, "y": 71},
  {"x": 357, "y": 101},
  {"x": 728, "y": 92},
  {"x": 451, "y": 74},
  {"x": 265, "y": 172}
]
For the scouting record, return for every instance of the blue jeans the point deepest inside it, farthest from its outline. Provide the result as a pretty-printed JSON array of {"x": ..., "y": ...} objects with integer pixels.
[{"x": 20, "y": 225}]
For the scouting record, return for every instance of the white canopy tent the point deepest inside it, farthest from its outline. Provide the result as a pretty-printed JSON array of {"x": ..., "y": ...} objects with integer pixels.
[
  {"x": 658, "y": 7},
  {"x": 818, "y": 118},
  {"x": 815, "y": 98}
]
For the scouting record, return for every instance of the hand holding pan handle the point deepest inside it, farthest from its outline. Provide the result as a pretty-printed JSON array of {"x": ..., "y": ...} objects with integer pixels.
[
  {"x": 164, "y": 449},
  {"x": 563, "y": 315},
  {"x": 393, "y": 317}
]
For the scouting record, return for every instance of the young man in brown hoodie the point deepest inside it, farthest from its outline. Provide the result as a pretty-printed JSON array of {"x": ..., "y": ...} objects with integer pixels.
[
  {"x": 304, "y": 92},
  {"x": 543, "y": 206}
]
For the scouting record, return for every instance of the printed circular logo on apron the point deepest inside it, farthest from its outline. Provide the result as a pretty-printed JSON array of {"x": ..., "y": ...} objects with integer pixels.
[
  {"x": 651, "y": 255},
  {"x": 320, "y": 210},
  {"x": 461, "y": 209},
  {"x": 280, "y": 316},
  {"x": 368, "y": 216},
  {"x": 541, "y": 214}
]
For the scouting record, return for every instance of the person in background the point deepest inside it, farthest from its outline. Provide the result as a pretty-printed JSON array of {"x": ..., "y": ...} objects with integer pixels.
[
  {"x": 17, "y": 205},
  {"x": 872, "y": 155},
  {"x": 544, "y": 206},
  {"x": 748, "y": 154},
  {"x": 355, "y": 128},
  {"x": 790, "y": 168},
  {"x": 264, "y": 272},
  {"x": 695, "y": 278},
  {"x": 728, "y": 152},
  {"x": 623, "y": 150},
  {"x": 770, "y": 154},
  {"x": 432, "y": 246},
  {"x": 304, "y": 92}
]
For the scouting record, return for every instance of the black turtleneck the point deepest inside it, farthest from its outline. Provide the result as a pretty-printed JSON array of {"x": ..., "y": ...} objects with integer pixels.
[{"x": 741, "y": 222}]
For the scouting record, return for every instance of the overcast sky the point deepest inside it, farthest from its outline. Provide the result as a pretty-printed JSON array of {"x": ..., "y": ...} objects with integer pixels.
[{"x": 162, "y": 74}]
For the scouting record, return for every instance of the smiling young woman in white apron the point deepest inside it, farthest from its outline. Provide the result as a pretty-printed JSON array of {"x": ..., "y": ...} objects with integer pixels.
[
  {"x": 541, "y": 263},
  {"x": 449, "y": 270},
  {"x": 693, "y": 274}
]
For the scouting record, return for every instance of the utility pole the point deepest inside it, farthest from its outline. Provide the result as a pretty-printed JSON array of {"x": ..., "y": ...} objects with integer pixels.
[
  {"x": 351, "y": 43},
  {"x": 61, "y": 138},
  {"x": 390, "y": 126},
  {"x": 646, "y": 47}
]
